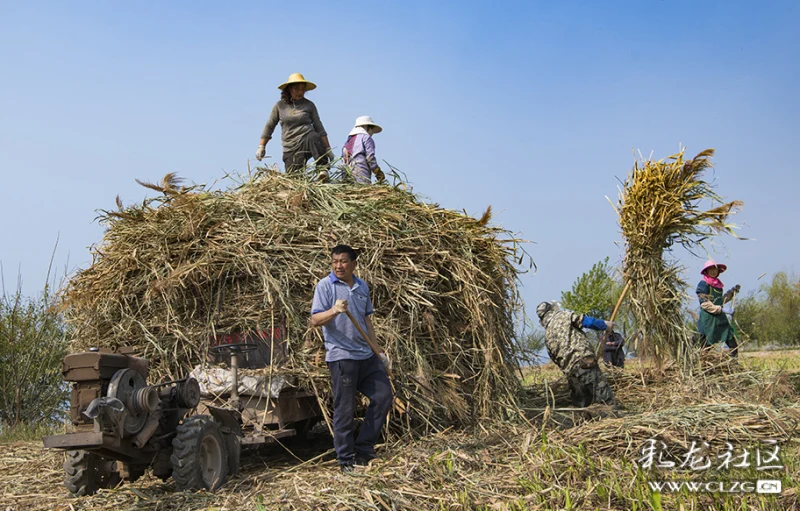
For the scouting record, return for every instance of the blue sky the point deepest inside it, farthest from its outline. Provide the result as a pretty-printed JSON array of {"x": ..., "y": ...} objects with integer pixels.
[{"x": 532, "y": 107}]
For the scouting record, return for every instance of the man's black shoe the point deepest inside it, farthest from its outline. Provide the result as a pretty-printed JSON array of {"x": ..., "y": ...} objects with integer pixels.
[{"x": 363, "y": 461}]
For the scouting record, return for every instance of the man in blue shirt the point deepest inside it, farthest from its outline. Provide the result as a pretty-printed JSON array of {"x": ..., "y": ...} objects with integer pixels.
[{"x": 353, "y": 365}]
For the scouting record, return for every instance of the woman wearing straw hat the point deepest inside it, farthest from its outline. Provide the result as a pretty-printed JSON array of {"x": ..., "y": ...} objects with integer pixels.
[
  {"x": 713, "y": 323},
  {"x": 302, "y": 133},
  {"x": 359, "y": 151}
]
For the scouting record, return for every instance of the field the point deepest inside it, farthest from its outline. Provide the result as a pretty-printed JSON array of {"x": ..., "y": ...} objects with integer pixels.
[{"x": 553, "y": 457}]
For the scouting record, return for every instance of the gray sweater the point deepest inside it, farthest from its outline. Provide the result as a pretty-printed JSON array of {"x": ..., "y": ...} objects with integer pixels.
[{"x": 297, "y": 118}]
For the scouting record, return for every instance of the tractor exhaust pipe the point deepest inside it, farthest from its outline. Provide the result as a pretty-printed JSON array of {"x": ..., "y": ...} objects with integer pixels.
[{"x": 149, "y": 428}]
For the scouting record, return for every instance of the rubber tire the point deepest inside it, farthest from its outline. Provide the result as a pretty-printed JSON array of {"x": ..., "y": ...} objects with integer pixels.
[
  {"x": 234, "y": 447},
  {"x": 187, "y": 449},
  {"x": 86, "y": 472},
  {"x": 162, "y": 465}
]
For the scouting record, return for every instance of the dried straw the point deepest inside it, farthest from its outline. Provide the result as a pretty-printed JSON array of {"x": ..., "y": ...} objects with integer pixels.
[
  {"x": 179, "y": 268},
  {"x": 659, "y": 207},
  {"x": 535, "y": 464}
]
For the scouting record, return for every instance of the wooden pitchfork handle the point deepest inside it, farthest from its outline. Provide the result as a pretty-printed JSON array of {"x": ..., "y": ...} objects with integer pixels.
[
  {"x": 602, "y": 345},
  {"x": 374, "y": 347}
]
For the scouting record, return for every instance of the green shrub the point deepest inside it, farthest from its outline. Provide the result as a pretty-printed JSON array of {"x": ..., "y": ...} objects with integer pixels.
[
  {"x": 771, "y": 317},
  {"x": 33, "y": 341}
]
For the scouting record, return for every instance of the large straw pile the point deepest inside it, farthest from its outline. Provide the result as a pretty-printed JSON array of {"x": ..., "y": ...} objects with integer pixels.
[
  {"x": 659, "y": 207},
  {"x": 179, "y": 268}
]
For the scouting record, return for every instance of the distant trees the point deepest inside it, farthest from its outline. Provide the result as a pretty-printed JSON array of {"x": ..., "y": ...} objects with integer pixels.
[
  {"x": 530, "y": 343},
  {"x": 772, "y": 315},
  {"x": 595, "y": 292},
  {"x": 767, "y": 316},
  {"x": 33, "y": 341}
]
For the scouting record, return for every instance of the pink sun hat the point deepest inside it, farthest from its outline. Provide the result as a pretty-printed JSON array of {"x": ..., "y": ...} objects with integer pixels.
[{"x": 711, "y": 263}]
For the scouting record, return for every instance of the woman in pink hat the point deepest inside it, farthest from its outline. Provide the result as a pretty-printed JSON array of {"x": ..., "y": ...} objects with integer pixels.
[{"x": 713, "y": 323}]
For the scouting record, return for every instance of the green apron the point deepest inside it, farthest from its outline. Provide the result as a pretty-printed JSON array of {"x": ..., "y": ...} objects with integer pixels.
[{"x": 715, "y": 327}]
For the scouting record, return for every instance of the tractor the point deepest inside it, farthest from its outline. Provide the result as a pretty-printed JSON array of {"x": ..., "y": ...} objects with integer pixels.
[{"x": 186, "y": 429}]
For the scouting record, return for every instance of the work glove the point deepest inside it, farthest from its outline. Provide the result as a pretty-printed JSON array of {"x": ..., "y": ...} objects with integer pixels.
[
  {"x": 609, "y": 326},
  {"x": 709, "y": 307},
  {"x": 379, "y": 175},
  {"x": 730, "y": 293},
  {"x": 385, "y": 359},
  {"x": 340, "y": 306},
  {"x": 261, "y": 152}
]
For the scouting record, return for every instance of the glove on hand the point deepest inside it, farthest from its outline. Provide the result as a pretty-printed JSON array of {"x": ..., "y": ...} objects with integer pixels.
[
  {"x": 379, "y": 175},
  {"x": 609, "y": 326},
  {"x": 710, "y": 307},
  {"x": 261, "y": 152},
  {"x": 386, "y": 362}
]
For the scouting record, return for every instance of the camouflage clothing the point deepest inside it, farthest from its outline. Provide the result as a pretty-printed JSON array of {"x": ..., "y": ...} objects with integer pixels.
[{"x": 571, "y": 351}]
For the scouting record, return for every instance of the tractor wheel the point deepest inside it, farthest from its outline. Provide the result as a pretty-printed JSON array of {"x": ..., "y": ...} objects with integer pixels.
[
  {"x": 234, "y": 447},
  {"x": 86, "y": 472},
  {"x": 199, "y": 455},
  {"x": 162, "y": 465}
]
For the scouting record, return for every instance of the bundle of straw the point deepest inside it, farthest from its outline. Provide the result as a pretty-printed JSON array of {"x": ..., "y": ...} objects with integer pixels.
[
  {"x": 678, "y": 427},
  {"x": 190, "y": 264},
  {"x": 659, "y": 207}
]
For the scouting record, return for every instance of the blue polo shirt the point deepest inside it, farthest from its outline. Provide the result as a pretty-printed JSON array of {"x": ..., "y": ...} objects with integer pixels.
[{"x": 342, "y": 340}]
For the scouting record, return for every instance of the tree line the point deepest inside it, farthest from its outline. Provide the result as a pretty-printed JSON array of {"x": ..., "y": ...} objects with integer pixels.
[
  {"x": 34, "y": 338},
  {"x": 765, "y": 317},
  {"x": 33, "y": 342}
]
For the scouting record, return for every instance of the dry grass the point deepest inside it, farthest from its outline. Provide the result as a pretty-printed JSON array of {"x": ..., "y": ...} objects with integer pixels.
[
  {"x": 553, "y": 458},
  {"x": 174, "y": 271},
  {"x": 659, "y": 207}
]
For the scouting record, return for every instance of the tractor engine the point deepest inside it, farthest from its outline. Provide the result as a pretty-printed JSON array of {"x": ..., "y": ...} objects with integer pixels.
[
  {"x": 110, "y": 392},
  {"x": 123, "y": 427}
]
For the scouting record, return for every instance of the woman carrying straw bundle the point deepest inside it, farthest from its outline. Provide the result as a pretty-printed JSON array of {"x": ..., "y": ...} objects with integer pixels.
[
  {"x": 713, "y": 323},
  {"x": 302, "y": 133}
]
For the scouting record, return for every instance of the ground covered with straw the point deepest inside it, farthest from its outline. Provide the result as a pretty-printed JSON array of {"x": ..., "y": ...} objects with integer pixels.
[
  {"x": 191, "y": 264},
  {"x": 551, "y": 457},
  {"x": 176, "y": 270}
]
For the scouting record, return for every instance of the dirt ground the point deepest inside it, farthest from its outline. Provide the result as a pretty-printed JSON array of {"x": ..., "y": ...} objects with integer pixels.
[{"x": 550, "y": 458}]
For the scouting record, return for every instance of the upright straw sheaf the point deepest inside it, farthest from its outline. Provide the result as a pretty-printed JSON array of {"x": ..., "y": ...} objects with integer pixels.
[
  {"x": 661, "y": 205},
  {"x": 172, "y": 272}
]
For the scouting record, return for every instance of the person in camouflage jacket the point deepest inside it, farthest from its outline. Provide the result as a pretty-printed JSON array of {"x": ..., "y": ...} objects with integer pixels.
[{"x": 571, "y": 351}]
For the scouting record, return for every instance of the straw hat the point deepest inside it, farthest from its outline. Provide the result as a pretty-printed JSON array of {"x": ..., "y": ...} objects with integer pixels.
[
  {"x": 297, "y": 78},
  {"x": 366, "y": 120},
  {"x": 710, "y": 264}
]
